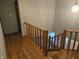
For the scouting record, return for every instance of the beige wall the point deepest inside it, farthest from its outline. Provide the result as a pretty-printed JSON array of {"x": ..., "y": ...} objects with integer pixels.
[
  {"x": 39, "y": 13},
  {"x": 64, "y": 18}
]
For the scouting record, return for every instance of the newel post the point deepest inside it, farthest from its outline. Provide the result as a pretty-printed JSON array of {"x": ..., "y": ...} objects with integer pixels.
[
  {"x": 45, "y": 42},
  {"x": 63, "y": 39}
]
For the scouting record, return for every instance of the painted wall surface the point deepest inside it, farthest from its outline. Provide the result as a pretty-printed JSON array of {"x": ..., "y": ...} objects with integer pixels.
[
  {"x": 8, "y": 16},
  {"x": 2, "y": 45},
  {"x": 39, "y": 13},
  {"x": 64, "y": 18},
  {"x": 51, "y": 15}
]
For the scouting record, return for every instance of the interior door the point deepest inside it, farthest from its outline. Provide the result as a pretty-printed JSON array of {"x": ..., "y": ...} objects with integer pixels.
[{"x": 8, "y": 16}]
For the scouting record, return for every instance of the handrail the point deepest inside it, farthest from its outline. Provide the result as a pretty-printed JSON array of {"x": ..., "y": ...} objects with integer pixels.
[
  {"x": 58, "y": 34},
  {"x": 72, "y": 30},
  {"x": 35, "y": 26}
]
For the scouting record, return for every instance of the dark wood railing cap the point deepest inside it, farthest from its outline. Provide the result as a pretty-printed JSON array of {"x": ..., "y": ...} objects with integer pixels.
[
  {"x": 35, "y": 26},
  {"x": 71, "y": 30}
]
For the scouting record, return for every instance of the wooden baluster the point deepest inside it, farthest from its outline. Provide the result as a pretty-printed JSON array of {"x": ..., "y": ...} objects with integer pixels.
[
  {"x": 32, "y": 32},
  {"x": 49, "y": 42},
  {"x": 63, "y": 39},
  {"x": 40, "y": 39},
  {"x": 75, "y": 40},
  {"x": 35, "y": 36},
  {"x": 27, "y": 30},
  {"x": 58, "y": 41},
  {"x": 69, "y": 40},
  {"x": 43, "y": 39},
  {"x": 24, "y": 28},
  {"x": 78, "y": 48},
  {"x": 45, "y": 42},
  {"x": 69, "y": 45},
  {"x": 54, "y": 42}
]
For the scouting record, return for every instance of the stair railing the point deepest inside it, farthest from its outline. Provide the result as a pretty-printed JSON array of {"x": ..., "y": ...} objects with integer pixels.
[
  {"x": 72, "y": 42},
  {"x": 72, "y": 35},
  {"x": 55, "y": 42},
  {"x": 38, "y": 36}
]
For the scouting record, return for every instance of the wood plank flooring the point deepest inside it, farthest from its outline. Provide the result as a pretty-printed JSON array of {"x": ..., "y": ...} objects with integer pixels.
[{"x": 18, "y": 47}]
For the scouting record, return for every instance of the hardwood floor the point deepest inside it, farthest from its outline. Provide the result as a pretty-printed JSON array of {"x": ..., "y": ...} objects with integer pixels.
[
  {"x": 19, "y": 47},
  {"x": 14, "y": 47}
]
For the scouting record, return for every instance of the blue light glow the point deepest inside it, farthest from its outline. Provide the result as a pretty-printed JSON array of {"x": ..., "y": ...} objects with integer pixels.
[{"x": 51, "y": 34}]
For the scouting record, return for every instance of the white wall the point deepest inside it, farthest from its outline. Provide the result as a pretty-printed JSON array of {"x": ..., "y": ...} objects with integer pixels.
[
  {"x": 2, "y": 45},
  {"x": 51, "y": 14},
  {"x": 64, "y": 18},
  {"x": 39, "y": 13}
]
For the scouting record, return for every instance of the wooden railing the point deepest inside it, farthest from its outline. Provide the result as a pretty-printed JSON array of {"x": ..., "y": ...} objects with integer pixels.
[
  {"x": 68, "y": 42},
  {"x": 72, "y": 44},
  {"x": 55, "y": 42},
  {"x": 41, "y": 39},
  {"x": 38, "y": 36},
  {"x": 72, "y": 35}
]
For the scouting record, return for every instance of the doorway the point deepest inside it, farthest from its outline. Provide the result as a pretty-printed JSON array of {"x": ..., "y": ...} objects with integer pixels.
[
  {"x": 17, "y": 15},
  {"x": 9, "y": 14}
]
